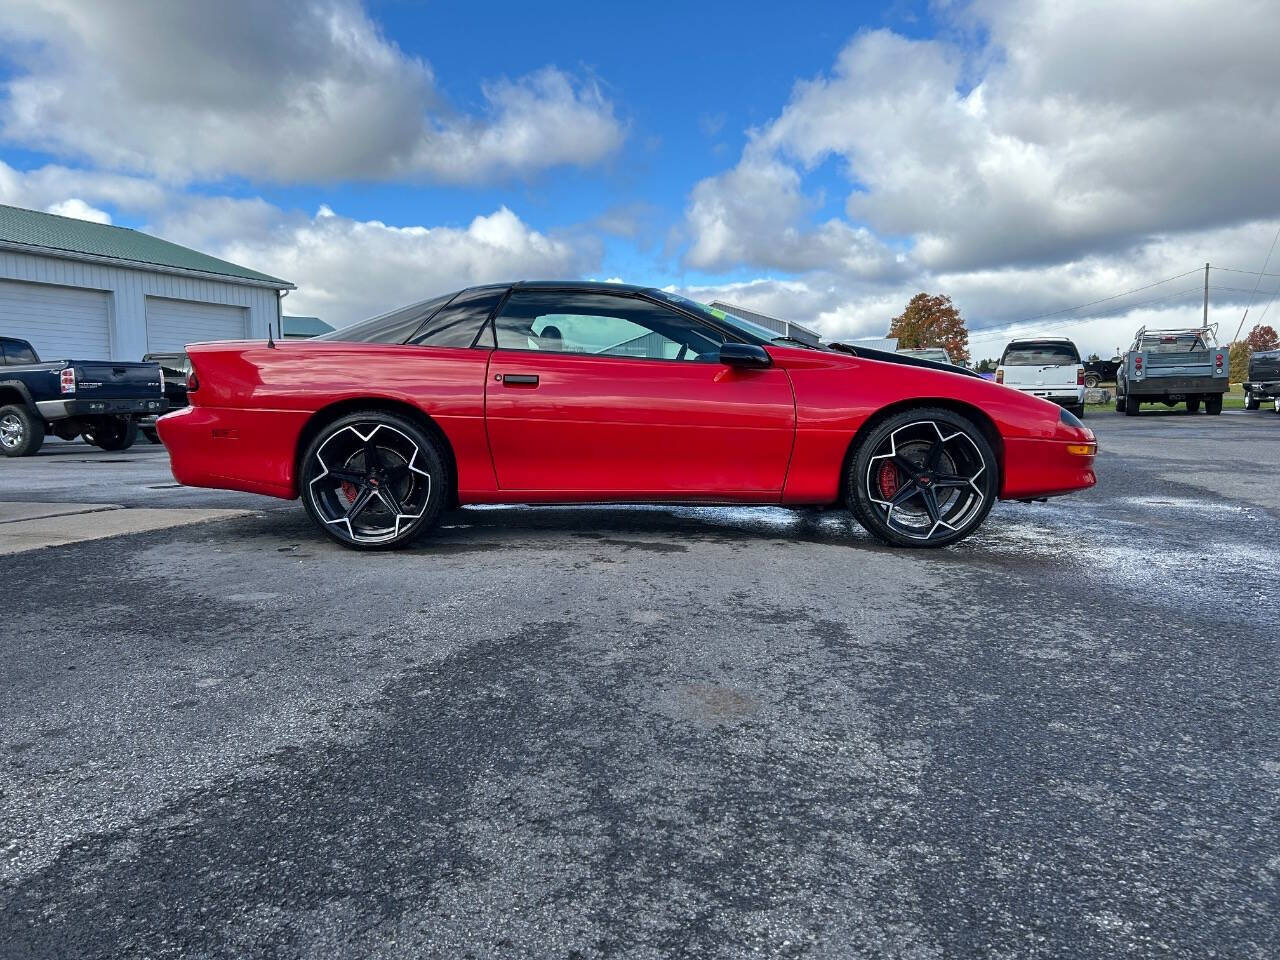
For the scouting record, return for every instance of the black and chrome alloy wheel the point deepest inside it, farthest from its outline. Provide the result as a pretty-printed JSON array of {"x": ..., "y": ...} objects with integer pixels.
[
  {"x": 923, "y": 478},
  {"x": 373, "y": 480}
]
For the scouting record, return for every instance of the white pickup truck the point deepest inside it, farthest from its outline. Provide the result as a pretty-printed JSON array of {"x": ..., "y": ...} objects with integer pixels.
[{"x": 1047, "y": 367}]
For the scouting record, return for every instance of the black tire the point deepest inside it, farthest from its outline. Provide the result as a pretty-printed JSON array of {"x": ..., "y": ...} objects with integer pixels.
[
  {"x": 1091, "y": 380},
  {"x": 944, "y": 451},
  {"x": 1250, "y": 401},
  {"x": 151, "y": 433},
  {"x": 1213, "y": 404},
  {"x": 1131, "y": 406},
  {"x": 111, "y": 433},
  {"x": 1119, "y": 403},
  {"x": 354, "y": 464},
  {"x": 1077, "y": 411},
  {"x": 21, "y": 431},
  {"x": 1193, "y": 405}
]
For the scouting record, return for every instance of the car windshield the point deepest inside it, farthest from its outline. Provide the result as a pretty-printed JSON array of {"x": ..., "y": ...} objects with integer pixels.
[
  {"x": 754, "y": 331},
  {"x": 1039, "y": 355}
]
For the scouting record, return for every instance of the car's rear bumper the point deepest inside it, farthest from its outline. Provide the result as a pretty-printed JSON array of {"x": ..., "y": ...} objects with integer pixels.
[
  {"x": 1062, "y": 396},
  {"x": 63, "y": 409},
  {"x": 1044, "y": 468},
  {"x": 249, "y": 450},
  {"x": 1150, "y": 386}
]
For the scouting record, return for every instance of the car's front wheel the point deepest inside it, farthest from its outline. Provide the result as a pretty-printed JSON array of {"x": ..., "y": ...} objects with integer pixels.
[
  {"x": 373, "y": 480},
  {"x": 923, "y": 478},
  {"x": 1250, "y": 401}
]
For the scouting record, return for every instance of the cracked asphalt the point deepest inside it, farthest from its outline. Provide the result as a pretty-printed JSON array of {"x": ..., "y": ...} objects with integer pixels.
[{"x": 654, "y": 732}]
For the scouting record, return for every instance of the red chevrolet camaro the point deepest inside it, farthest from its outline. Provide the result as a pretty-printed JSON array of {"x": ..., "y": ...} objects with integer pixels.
[{"x": 601, "y": 393}]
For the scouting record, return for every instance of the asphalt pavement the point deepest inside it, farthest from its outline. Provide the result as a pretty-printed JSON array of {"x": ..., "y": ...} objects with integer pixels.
[{"x": 652, "y": 732}]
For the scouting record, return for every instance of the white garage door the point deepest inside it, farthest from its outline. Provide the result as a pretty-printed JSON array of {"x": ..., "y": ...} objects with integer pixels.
[
  {"x": 62, "y": 323},
  {"x": 172, "y": 324}
]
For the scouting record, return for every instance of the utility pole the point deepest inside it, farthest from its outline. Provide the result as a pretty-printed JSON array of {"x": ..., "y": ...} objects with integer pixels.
[{"x": 1206, "y": 294}]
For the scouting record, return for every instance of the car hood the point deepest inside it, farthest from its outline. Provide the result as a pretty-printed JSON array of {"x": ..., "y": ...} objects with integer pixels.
[{"x": 890, "y": 357}]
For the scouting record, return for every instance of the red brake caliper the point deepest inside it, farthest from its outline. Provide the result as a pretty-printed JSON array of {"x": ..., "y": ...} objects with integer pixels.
[
  {"x": 349, "y": 491},
  {"x": 888, "y": 480}
]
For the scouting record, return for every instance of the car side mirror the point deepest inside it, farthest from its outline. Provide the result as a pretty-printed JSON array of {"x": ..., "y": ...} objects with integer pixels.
[{"x": 744, "y": 355}]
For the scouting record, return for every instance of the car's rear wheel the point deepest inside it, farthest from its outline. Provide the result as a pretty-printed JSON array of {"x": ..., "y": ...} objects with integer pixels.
[
  {"x": 151, "y": 433},
  {"x": 21, "y": 431},
  {"x": 1250, "y": 401},
  {"x": 1213, "y": 404},
  {"x": 1131, "y": 406},
  {"x": 1193, "y": 405},
  {"x": 923, "y": 478},
  {"x": 111, "y": 433},
  {"x": 1091, "y": 380},
  {"x": 373, "y": 480}
]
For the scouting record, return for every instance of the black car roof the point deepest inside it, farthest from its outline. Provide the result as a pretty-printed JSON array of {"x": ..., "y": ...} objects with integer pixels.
[{"x": 594, "y": 286}]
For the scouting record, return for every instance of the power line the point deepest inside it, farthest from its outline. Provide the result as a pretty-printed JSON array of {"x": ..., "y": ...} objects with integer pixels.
[
  {"x": 1091, "y": 303},
  {"x": 1252, "y": 273},
  {"x": 1062, "y": 324},
  {"x": 1245, "y": 315}
]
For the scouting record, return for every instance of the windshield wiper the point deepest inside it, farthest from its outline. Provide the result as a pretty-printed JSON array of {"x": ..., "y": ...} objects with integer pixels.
[{"x": 797, "y": 342}]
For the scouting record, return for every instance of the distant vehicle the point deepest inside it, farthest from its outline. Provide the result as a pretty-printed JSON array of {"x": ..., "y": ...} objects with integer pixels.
[
  {"x": 927, "y": 353},
  {"x": 1100, "y": 371},
  {"x": 1171, "y": 367},
  {"x": 1047, "y": 367},
  {"x": 176, "y": 367},
  {"x": 1264, "y": 380},
  {"x": 100, "y": 400}
]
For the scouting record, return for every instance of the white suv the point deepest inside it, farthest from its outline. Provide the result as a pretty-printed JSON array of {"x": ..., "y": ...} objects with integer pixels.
[{"x": 1046, "y": 367}]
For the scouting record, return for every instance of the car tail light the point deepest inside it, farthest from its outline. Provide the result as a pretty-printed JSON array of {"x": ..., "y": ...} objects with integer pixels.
[
  {"x": 1000, "y": 376},
  {"x": 1137, "y": 361},
  {"x": 1079, "y": 376},
  {"x": 193, "y": 382},
  {"x": 69, "y": 380},
  {"x": 1219, "y": 364}
]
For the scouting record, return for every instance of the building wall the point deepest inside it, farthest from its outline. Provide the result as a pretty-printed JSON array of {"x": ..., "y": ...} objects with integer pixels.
[{"x": 128, "y": 289}]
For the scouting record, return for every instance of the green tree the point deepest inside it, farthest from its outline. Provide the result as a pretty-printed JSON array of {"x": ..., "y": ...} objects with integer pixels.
[
  {"x": 987, "y": 366},
  {"x": 932, "y": 321}
]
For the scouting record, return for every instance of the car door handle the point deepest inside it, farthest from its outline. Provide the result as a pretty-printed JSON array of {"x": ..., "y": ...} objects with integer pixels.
[{"x": 520, "y": 379}]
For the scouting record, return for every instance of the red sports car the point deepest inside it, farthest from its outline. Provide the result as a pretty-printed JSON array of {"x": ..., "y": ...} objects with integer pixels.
[{"x": 602, "y": 393}]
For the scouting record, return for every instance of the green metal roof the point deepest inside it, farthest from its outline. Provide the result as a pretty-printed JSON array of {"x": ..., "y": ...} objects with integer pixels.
[
  {"x": 305, "y": 326},
  {"x": 34, "y": 228}
]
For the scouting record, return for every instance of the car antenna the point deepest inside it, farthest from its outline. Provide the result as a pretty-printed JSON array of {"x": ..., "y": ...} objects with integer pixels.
[{"x": 271, "y": 344}]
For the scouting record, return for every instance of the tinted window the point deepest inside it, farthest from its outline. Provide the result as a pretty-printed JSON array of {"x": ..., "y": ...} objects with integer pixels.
[
  {"x": 457, "y": 324},
  {"x": 602, "y": 324},
  {"x": 394, "y": 327},
  {"x": 15, "y": 351},
  {"x": 1039, "y": 355}
]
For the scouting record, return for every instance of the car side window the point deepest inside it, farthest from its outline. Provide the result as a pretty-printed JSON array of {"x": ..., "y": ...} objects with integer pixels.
[
  {"x": 15, "y": 351},
  {"x": 458, "y": 324},
  {"x": 602, "y": 324}
]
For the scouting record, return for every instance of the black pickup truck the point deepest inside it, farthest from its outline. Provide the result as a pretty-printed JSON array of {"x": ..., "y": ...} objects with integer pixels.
[
  {"x": 100, "y": 400},
  {"x": 1264, "y": 379}
]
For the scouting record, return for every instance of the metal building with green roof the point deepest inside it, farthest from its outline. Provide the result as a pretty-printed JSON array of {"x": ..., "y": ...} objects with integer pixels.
[{"x": 85, "y": 290}]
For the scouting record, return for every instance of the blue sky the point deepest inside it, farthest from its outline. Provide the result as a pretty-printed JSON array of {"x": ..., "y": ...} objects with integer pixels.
[{"x": 821, "y": 164}]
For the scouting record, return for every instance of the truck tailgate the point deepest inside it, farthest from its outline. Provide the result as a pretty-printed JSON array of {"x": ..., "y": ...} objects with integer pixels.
[
  {"x": 1195, "y": 363},
  {"x": 116, "y": 381}
]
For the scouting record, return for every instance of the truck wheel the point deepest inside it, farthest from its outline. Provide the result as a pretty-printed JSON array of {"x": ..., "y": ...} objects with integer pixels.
[
  {"x": 111, "y": 433},
  {"x": 1091, "y": 380},
  {"x": 152, "y": 435},
  {"x": 1131, "y": 406},
  {"x": 1213, "y": 404},
  {"x": 1077, "y": 411},
  {"x": 1250, "y": 401},
  {"x": 1193, "y": 405},
  {"x": 1119, "y": 403},
  {"x": 21, "y": 431}
]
